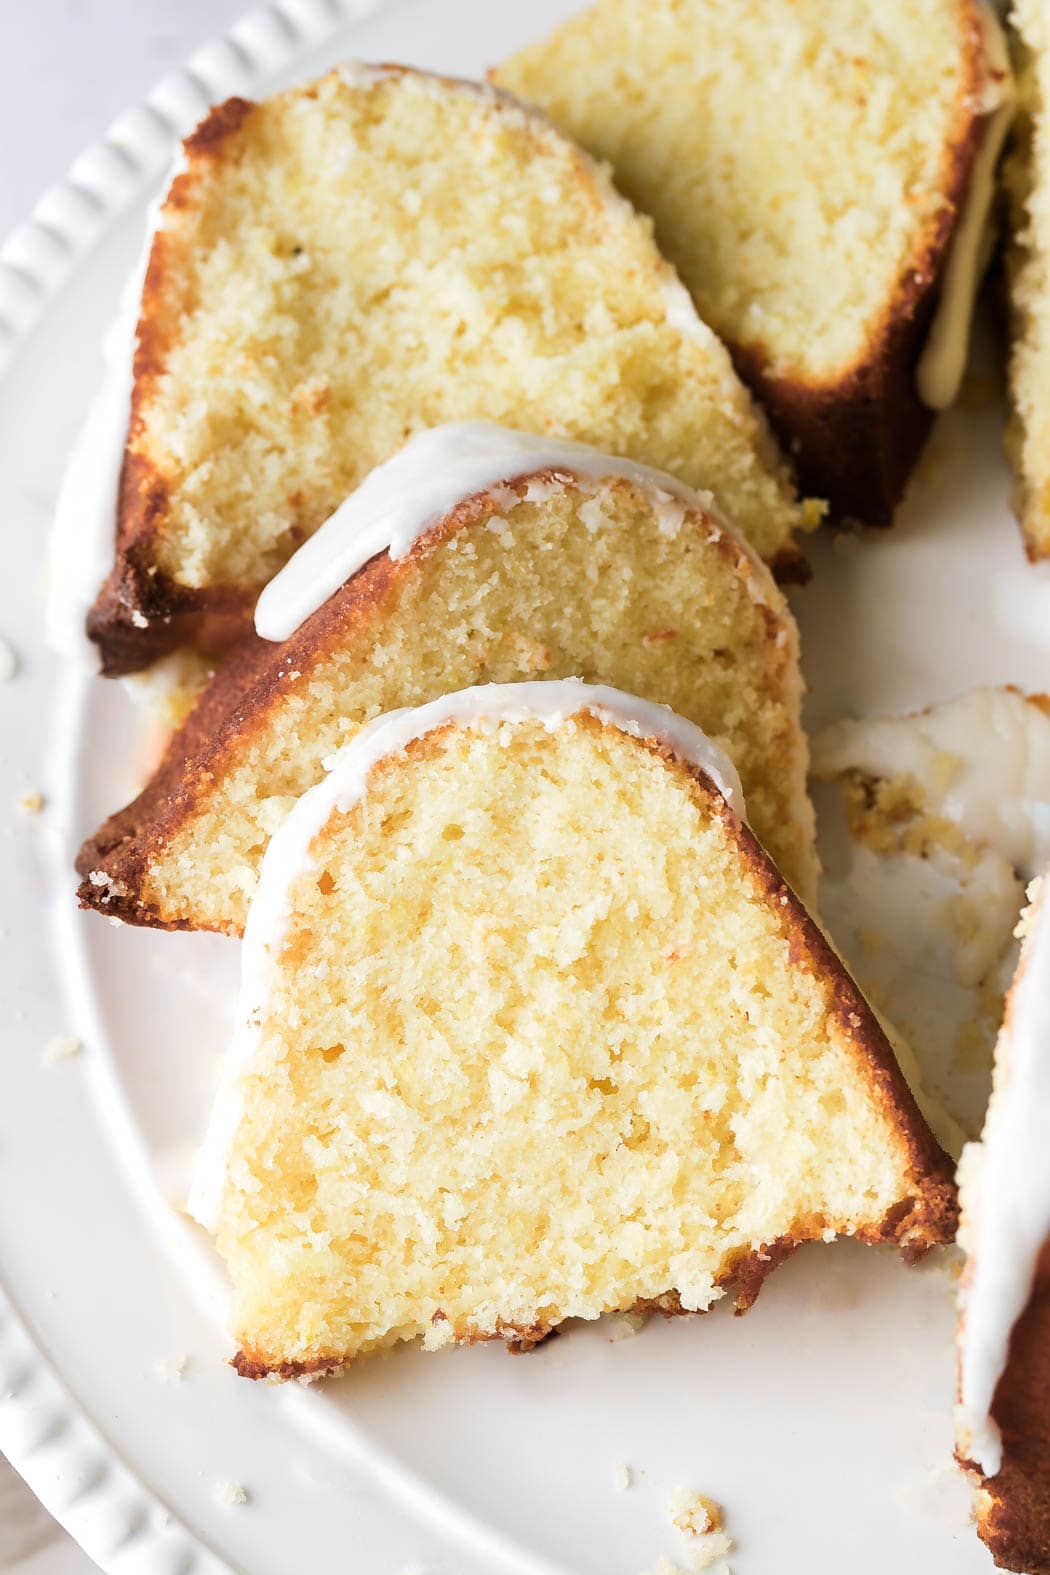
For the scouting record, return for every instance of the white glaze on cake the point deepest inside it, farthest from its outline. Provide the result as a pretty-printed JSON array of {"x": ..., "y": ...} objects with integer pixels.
[
  {"x": 486, "y": 707},
  {"x": 1005, "y": 1189},
  {"x": 982, "y": 761},
  {"x": 83, "y": 534},
  {"x": 943, "y": 361},
  {"x": 403, "y": 498}
]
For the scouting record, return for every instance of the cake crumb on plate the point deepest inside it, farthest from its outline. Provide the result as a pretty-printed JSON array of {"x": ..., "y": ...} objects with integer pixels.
[
  {"x": 622, "y": 1477},
  {"x": 700, "y": 1517},
  {"x": 624, "y": 1326},
  {"x": 697, "y": 1559},
  {"x": 228, "y": 1494},
  {"x": 711, "y": 1549},
  {"x": 694, "y": 1513},
  {"x": 61, "y": 1048},
  {"x": 171, "y": 1369},
  {"x": 30, "y": 803}
]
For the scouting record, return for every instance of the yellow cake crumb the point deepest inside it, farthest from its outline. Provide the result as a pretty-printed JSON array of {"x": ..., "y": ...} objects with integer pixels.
[
  {"x": 694, "y": 1513},
  {"x": 229, "y": 1494},
  {"x": 624, "y": 1326},
  {"x": 362, "y": 258},
  {"x": 61, "y": 1048},
  {"x": 1026, "y": 177},
  {"x": 790, "y": 252},
  {"x": 700, "y": 1518},
  {"x": 171, "y": 1369}
]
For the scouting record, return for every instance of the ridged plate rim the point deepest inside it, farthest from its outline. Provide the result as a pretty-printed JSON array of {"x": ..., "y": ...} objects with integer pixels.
[{"x": 78, "y": 1476}]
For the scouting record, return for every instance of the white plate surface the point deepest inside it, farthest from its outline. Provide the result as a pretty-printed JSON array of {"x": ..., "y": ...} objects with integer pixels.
[{"x": 822, "y": 1421}]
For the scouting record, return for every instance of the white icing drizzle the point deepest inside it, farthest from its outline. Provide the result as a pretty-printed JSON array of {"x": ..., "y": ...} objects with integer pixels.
[
  {"x": 486, "y": 707},
  {"x": 80, "y": 552},
  {"x": 1005, "y": 1184},
  {"x": 403, "y": 498},
  {"x": 943, "y": 360},
  {"x": 982, "y": 761}
]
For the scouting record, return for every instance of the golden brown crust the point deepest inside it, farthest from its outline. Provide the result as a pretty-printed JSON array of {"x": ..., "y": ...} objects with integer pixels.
[
  {"x": 140, "y": 613},
  {"x": 930, "y": 1215},
  {"x": 232, "y": 709},
  {"x": 1013, "y": 1508},
  {"x": 855, "y": 439}
]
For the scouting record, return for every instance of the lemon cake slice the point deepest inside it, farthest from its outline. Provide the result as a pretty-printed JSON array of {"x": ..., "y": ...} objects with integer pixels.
[
  {"x": 476, "y": 553},
  {"x": 349, "y": 262},
  {"x": 820, "y": 175},
  {"x": 1003, "y": 1418},
  {"x": 530, "y": 1029},
  {"x": 1027, "y": 182}
]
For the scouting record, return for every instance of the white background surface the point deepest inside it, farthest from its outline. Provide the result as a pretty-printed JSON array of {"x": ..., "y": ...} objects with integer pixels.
[{"x": 67, "y": 68}]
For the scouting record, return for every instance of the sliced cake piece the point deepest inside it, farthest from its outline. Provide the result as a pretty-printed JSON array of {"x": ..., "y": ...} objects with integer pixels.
[
  {"x": 1027, "y": 180},
  {"x": 475, "y": 554},
  {"x": 530, "y": 1029},
  {"x": 354, "y": 260},
  {"x": 820, "y": 175},
  {"x": 1003, "y": 1418}
]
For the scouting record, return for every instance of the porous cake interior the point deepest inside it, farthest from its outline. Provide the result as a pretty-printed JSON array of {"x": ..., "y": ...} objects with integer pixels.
[
  {"x": 748, "y": 128},
  {"x": 358, "y": 263},
  {"x": 533, "y": 1047},
  {"x": 546, "y": 581},
  {"x": 1027, "y": 174}
]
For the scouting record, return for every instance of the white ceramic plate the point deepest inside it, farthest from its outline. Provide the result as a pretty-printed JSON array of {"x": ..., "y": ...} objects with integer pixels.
[{"x": 821, "y": 1421}]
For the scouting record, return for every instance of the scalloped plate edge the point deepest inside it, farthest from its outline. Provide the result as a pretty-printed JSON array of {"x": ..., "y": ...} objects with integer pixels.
[
  {"x": 71, "y": 1467},
  {"x": 39, "y": 255}
]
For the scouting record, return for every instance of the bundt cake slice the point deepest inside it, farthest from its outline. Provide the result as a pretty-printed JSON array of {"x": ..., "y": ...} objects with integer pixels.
[
  {"x": 530, "y": 1029},
  {"x": 474, "y": 554},
  {"x": 1003, "y": 1419},
  {"x": 1027, "y": 181},
  {"x": 354, "y": 260},
  {"x": 820, "y": 174}
]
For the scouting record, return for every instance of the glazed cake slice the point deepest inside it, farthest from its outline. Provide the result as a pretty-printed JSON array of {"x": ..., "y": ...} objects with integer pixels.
[
  {"x": 1003, "y": 1418},
  {"x": 530, "y": 1029},
  {"x": 1027, "y": 182},
  {"x": 475, "y": 554},
  {"x": 820, "y": 176},
  {"x": 354, "y": 260}
]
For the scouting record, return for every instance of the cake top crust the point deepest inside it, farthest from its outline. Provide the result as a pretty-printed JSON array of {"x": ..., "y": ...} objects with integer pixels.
[{"x": 404, "y": 497}]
